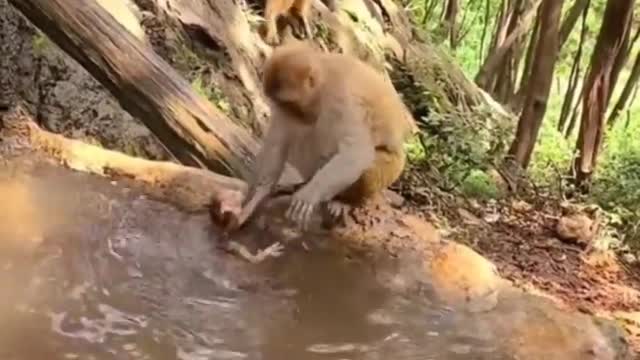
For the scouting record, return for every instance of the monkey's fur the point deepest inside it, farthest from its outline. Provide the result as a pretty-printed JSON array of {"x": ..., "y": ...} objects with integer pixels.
[
  {"x": 338, "y": 122},
  {"x": 291, "y": 9}
]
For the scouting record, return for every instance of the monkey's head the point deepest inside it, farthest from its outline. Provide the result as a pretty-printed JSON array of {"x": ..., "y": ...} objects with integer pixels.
[{"x": 292, "y": 78}]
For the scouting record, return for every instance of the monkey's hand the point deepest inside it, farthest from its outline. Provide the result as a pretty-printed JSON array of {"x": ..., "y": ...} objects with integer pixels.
[
  {"x": 303, "y": 203},
  {"x": 225, "y": 207}
]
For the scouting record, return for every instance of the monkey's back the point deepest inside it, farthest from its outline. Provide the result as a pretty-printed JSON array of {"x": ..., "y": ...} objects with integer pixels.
[{"x": 386, "y": 113}]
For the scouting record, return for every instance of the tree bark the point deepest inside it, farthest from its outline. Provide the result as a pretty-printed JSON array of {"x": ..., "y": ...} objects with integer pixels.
[
  {"x": 616, "y": 20},
  {"x": 193, "y": 130},
  {"x": 496, "y": 58},
  {"x": 570, "y": 20},
  {"x": 575, "y": 113},
  {"x": 570, "y": 94},
  {"x": 483, "y": 37},
  {"x": 621, "y": 59},
  {"x": 505, "y": 12},
  {"x": 503, "y": 84},
  {"x": 535, "y": 103},
  {"x": 518, "y": 100},
  {"x": 626, "y": 92},
  {"x": 167, "y": 181},
  {"x": 450, "y": 22}
]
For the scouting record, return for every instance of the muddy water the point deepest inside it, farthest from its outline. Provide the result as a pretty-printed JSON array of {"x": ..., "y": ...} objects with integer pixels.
[{"x": 92, "y": 270}]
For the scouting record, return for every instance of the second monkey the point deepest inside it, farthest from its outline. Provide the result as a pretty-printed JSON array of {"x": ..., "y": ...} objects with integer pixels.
[{"x": 291, "y": 9}]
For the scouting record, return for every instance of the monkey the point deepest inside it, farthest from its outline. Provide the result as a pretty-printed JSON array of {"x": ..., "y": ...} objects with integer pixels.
[
  {"x": 332, "y": 5},
  {"x": 338, "y": 122},
  {"x": 292, "y": 9}
]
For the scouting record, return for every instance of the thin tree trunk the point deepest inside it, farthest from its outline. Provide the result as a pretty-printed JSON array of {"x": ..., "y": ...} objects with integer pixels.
[
  {"x": 541, "y": 79},
  {"x": 483, "y": 37},
  {"x": 496, "y": 58},
  {"x": 570, "y": 20},
  {"x": 633, "y": 99},
  {"x": 450, "y": 22},
  {"x": 429, "y": 7},
  {"x": 626, "y": 92},
  {"x": 615, "y": 23},
  {"x": 504, "y": 82},
  {"x": 518, "y": 100},
  {"x": 577, "y": 110},
  {"x": 574, "y": 77},
  {"x": 618, "y": 64},
  {"x": 462, "y": 30},
  {"x": 500, "y": 30},
  {"x": 188, "y": 125}
]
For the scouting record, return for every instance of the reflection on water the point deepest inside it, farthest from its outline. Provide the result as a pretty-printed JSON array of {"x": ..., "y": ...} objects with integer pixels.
[{"x": 90, "y": 270}]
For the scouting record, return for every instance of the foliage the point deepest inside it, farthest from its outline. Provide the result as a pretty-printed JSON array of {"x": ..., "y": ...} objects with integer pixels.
[
  {"x": 40, "y": 43},
  {"x": 457, "y": 154},
  {"x": 480, "y": 185},
  {"x": 212, "y": 93},
  {"x": 456, "y": 138}
]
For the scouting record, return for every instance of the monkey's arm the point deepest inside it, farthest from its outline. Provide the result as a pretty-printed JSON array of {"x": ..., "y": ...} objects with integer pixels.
[
  {"x": 354, "y": 155},
  {"x": 269, "y": 166}
]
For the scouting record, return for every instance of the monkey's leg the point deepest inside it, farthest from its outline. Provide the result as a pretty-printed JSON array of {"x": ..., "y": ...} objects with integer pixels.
[
  {"x": 271, "y": 15},
  {"x": 386, "y": 169},
  {"x": 307, "y": 28},
  {"x": 355, "y": 155},
  {"x": 300, "y": 11},
  {"x": 330, "y": 4}
]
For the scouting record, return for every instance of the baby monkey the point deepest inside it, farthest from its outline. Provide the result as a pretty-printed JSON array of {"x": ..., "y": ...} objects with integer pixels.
[{"x": 338, "y": 122}]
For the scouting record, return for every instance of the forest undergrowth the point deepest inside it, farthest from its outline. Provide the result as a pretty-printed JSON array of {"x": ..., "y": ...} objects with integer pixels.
[{"x": 466, "y": 186}]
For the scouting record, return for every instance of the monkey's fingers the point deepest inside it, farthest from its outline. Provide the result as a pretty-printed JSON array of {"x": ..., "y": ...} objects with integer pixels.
[
  {"x": 293, "y": 210},
  {"x": 306, "y": 216},
  {"x": 296, "y": 212},
  {"x": 303, "y": 215}
]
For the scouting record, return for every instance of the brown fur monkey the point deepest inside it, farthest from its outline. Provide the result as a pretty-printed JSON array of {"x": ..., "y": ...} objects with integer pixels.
[
  {"x": 296, "y": 9},
  {"x": 338, "y": 122}
]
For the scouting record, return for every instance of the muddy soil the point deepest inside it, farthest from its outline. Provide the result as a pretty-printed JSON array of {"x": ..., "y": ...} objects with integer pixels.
[{"x": 526, "y": 249}]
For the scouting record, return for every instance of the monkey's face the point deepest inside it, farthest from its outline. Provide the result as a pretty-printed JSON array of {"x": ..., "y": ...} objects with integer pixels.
[{"x": 293, "y": 86}]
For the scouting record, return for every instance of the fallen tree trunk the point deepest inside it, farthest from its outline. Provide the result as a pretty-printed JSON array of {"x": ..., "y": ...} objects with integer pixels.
[
  {"x": 193, "y": 130},
  {"x": 188, "y": 188}
]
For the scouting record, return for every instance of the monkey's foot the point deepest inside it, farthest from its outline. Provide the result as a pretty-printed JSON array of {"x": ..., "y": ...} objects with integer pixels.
[
  {"x": 272, "y": 38},
  {"x": 274, "y": 250},
  {"x": 337, "y": 209},
  {"x": 335, "y": 214}
]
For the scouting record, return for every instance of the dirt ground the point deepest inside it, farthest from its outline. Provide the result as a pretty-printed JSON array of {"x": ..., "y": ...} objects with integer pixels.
[{"x": 520, "y": 238}]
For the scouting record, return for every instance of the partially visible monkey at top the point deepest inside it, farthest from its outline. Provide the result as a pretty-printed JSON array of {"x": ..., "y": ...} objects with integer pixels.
[
  {"x": 297, "y": 10},
  {"x": 338, "y": 122}
]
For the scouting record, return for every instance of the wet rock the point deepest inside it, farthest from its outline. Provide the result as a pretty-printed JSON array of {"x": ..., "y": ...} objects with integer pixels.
[
  {"x": 423, "y": 230},
  {"x": 578, "y": 228},
  {"x": 463, "y": 278},
  {"x": 64, "y": 96},
  {"x": 631, "y": 323},
  {"x": 536, "y": 329}
]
